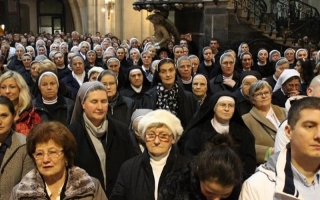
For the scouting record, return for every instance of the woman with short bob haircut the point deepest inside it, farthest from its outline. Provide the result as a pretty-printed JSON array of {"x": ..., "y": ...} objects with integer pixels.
[
  {"x": 13, "y": 86},
  {"x": 52, "y": 144}
]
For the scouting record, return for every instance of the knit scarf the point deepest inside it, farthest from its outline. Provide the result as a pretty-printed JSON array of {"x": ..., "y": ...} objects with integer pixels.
[
  {"x": 95, "y": 134},
  {"x": 167, "y": 99}
]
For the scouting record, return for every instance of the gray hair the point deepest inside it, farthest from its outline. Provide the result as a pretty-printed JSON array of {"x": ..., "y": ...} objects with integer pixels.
[
  {"x": 107, "y": 72},
  {"x": 194, "y": 56},
  {"x": 182, "y": 58},
  {"x": 281, "y": 61},
  {"x": 258, "y": 85},
  {"x": 227, "y": 55},
  {"x": 113, "y": 60}
]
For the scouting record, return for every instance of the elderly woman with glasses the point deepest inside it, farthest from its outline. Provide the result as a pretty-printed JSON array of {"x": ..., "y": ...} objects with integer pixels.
[
  {"x": 52, "y": 148},
  {"x": 227, "y": 78},
  {"x": 263, "y": 119},
  {"x": 288, "y": 85},
  {"x": 142, "y": 176}
]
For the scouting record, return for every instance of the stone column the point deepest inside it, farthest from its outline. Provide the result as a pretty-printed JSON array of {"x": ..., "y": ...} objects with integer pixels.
[
  {"x": 74, "y": 6},
  {"x": 92, "y": 17},
  {"x": 215, "y": 21},
  {"x": 83, "y": 13}
]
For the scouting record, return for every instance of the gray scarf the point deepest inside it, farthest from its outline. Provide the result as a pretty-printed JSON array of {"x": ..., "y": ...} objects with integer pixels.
[{"x": 95, "y": 133}]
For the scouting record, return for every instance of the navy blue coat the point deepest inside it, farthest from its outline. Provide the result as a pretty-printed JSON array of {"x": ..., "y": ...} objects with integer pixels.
[{"x": 72, "y": 83}]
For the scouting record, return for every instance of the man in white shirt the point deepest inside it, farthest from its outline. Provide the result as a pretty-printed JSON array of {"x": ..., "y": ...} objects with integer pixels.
[{"x": 292, "y": 173}]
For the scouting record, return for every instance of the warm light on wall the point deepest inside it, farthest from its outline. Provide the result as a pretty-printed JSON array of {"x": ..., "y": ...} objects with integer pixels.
[
  {"x": 110, "y": 6},
  {"x": 2, "y": 30}
]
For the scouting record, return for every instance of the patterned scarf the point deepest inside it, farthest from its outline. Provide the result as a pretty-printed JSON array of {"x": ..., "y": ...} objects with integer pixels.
[{"x": 167, "y": 99}]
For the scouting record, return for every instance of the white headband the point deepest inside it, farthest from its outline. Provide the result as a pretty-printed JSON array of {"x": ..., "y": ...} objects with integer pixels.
[
  {"x": 48, "y": 73},
  {"x": 134, "y": 70}
]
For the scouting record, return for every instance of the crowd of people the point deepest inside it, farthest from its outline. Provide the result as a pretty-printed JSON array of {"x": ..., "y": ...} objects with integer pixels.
[{"x": 93, "y": 117}]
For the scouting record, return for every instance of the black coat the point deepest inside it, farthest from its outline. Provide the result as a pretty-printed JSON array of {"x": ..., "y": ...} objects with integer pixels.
[
  {"x": 243, "y": 105},
  {"x": 26, "y": 74},
  {"x": 187, "y": 104},
  {"x": 122, "y": 110},
  {"x": 208, "y": 71},
  {"x": 15, "y": 64},
  {"x": 118, "y": 149},
  {"x": 60, "y": 111},
  {"x": 216, "y": 84},
  {"x": 135, "y": 142},
  {"x": 99, "y": 62},
  {"x": 63, "y": 72},
  {"x": 271, "y": 81},
  {"x": 198, "y": 136},
  {"x": 265, "y": 70},
  {"x": 129, "y": 92},
  {"x": 136, "y": 180},
  {"x": 278, "y": 98},
  {"x": 188, "y": 86}
]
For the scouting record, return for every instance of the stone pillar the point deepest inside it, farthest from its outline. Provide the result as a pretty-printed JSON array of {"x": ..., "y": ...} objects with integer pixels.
[
  {"x": 83, "y": 15},
  {"x": 76, "y": 15},
  {"x": 101, "y": 17},
  {"x": 126, "y": 22},
  {"x": 92, "y": 17},
  {"x": 215, "y": 21}
]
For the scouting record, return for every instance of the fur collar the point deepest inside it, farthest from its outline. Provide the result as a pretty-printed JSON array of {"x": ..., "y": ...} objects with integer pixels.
[{"x": 79, "y": 183}]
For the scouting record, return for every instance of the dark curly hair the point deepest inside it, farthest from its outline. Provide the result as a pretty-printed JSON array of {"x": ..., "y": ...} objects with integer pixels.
[{"x": 56, "y": 131}]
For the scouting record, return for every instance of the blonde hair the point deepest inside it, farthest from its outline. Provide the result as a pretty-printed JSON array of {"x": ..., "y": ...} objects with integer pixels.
[
  {"x": 24, "y": 94},
  {"x": 47, "y": 64}
]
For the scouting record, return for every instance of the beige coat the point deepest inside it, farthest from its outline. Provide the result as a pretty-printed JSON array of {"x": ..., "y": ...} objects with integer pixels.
[
  {"x": 262, "y": 129},
  {"x": 16, "y": 163}
]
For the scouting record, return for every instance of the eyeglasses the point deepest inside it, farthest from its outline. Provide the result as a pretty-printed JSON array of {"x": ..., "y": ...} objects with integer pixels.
[
  {"x": 293, "y": 86},
  {"x": 164, "y": 137},
  {"x": 261, "y": 94},
  {"x": 51, "y": 154}
]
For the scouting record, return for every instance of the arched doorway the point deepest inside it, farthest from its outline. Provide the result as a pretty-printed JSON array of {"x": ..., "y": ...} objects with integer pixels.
[{"x": 51, "y": 16}]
